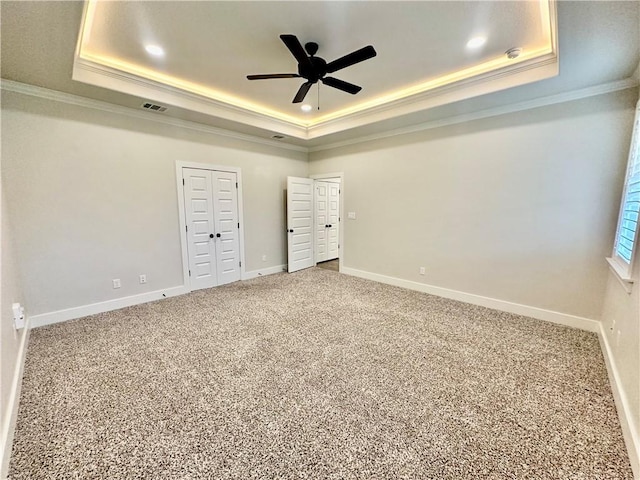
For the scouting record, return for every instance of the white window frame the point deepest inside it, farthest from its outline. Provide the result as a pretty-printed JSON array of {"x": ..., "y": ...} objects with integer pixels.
[{"x": 622, "y": 269}]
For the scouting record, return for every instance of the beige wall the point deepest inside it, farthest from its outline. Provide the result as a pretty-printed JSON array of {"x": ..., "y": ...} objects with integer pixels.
[
  {"x": 94, "y": 198},
  {"x": 520, "y": 207},
  {"x": 621, "y": 322},
  {"x": 624, "y": 308},
  {"x": 10, "y": 339}
]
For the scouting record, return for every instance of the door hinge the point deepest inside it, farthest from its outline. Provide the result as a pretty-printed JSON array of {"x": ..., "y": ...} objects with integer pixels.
[
  {"x": 186, "y": 228},
  {"x": 236, "y": 184},
  {"x": 189, "y": 272},
  {"x": 339, "y": 191},
  {"x": 238, "y": 224},
  {"x": 183, "y": 181},
  {"x": 240, "y": 263}
]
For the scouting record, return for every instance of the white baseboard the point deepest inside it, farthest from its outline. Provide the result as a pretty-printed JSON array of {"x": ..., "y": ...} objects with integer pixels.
[
  {"x": 264, "y": 271},
  {"x": 629, "y": 431},
  {"x": 84, "y": 310},
  {"x": 78, "y": 312},
  {"x": 519, "y": 309},
  {"x": 10, "y": 415}
]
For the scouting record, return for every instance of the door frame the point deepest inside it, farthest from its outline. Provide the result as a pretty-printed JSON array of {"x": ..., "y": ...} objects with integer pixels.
[
  {"x": 325, "y": 176},
  {"x": 183, "y": 221}
]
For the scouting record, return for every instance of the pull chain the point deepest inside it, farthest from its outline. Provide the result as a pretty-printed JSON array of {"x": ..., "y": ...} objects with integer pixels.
[{"x": 318, "y": 95}]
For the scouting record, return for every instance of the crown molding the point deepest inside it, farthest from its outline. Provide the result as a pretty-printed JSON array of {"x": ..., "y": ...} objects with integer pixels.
[
  {"x": 105, "y": 76},
  {"x": 68, "y": 98},
  {"x": 527, "y": 71},
  {"x": 601, "y": 89},
  {"x": 533, "y": 70},
  {"x": 71, "y": 99}
]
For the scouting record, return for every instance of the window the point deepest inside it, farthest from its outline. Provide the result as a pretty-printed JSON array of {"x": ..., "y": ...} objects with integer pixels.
[{"x": 627, "y": 232}]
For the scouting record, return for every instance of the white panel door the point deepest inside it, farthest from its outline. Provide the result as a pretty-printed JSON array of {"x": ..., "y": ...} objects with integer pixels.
[
  {"x": 321, "y": 221},
  {"x": 227, "y": 227},
  {"x": 300, "y": 223},
  {"x": 198, "y": 201},
  {"x": 333, "y": 220}
]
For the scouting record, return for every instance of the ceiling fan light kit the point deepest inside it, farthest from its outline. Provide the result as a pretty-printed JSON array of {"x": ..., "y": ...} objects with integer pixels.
[{"x": 314, "y": 69}]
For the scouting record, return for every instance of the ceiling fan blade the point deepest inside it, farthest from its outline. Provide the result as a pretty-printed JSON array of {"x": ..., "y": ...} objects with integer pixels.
[
  {"x": 341, "y": 85},
  {"x": 272, "y": 75},
  {"x": 294, "y": 46},
  {"x": 351, "y": 59},
  {"x": 304, "y": 88}
]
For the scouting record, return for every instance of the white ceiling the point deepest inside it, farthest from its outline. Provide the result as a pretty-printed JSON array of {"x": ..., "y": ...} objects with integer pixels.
[
  {"x": 226, "y": 41},
  {"x": 421, "y": 47},
  {"x": 211, "y": 47}
]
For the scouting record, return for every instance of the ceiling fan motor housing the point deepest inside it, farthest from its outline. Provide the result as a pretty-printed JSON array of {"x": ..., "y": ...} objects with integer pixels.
[{"x": 315, "y": 71}]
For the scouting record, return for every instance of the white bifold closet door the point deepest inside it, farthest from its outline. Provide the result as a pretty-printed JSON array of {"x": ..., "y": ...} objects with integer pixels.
[
  {"x": 300, "y": 223},
  {"x": 327, "y": 220},
  {"x": 213, "y": 228}
]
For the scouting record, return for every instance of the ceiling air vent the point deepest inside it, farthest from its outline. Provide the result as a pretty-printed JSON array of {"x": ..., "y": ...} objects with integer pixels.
[{"x": 154, "y": 107}]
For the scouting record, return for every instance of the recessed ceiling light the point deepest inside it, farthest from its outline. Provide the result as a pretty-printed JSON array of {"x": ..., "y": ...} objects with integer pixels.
[
  {"x": 476, "y": 42},
  {"x": 154, "y": 50},
  {"x": 306, "y": 107}
]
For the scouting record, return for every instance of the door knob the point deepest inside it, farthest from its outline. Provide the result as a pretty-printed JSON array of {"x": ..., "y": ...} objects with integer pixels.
[
  {"x": 218, "y": 235},
  {"x": 290, "y": 231},
  {"x": 329, "y": 225},
  {"x": 211, "y": 235}
]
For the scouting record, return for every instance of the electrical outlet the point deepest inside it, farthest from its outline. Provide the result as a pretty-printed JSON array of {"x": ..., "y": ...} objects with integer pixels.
[
  {"x": 351, "y": 215},
  {"x": 264, "y": 258},
  {"x": 422, "y": 271},
  {"x": 18, "y": 316},
  {"x": 116, "y": 283},
  {"x": 143, "y": 279}
]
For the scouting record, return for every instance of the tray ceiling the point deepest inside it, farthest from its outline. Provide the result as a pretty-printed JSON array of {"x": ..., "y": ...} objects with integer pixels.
[
  {"x": 209, "y": 47},
  {"x": 596, "y": 49}
]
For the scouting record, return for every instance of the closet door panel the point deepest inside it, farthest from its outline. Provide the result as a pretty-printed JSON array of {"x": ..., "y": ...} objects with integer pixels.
[
  {"x": 333, "y": 220},
  {"x": 321, "y": 221},
  {"x": 227, "y": 226},
  {"x": 198, "y": 201}
]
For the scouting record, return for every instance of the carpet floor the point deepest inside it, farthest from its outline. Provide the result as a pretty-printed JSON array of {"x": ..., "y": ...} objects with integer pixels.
[{"x": 315, "y": 375}]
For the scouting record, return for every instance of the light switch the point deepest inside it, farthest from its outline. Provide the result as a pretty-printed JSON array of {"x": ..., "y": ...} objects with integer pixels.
[{"x": 351, "y": 215}]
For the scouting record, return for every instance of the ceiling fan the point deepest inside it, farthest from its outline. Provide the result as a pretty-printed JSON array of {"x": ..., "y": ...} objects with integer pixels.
[{"x": 314, "y": 68}]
